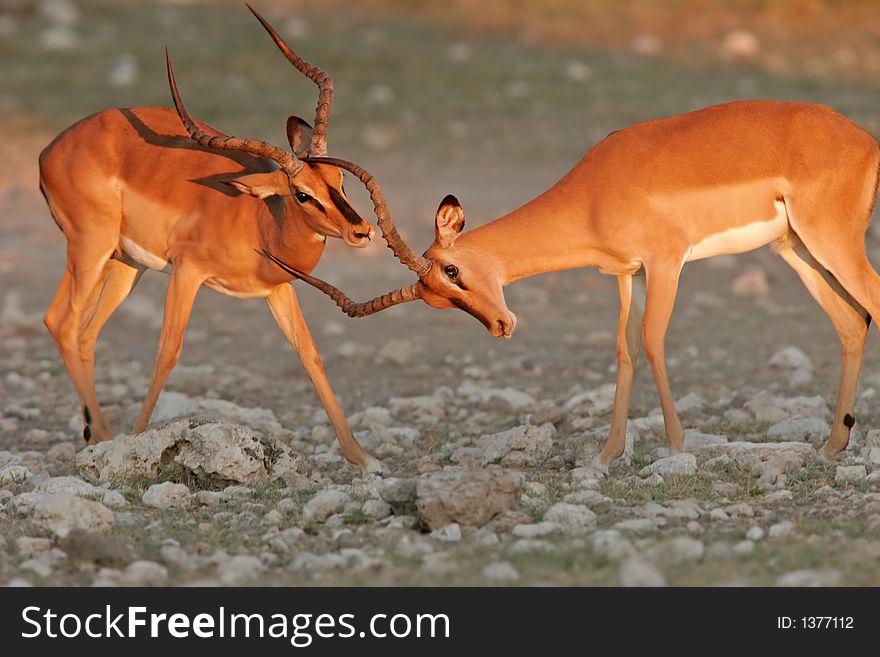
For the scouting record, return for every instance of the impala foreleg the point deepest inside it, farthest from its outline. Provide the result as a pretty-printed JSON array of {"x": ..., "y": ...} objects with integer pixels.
[
  {"x": 662, "y": 285},
  {"x": 851, "y": 323},
  {"x": 629, "y": 327},
  {"x": 182, "y": 290},
  {"x": 286, "y": 310}
]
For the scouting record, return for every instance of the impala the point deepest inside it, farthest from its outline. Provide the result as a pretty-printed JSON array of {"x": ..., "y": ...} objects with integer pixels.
[
  {"x": 133, "y": 189},
  {"x": 650, "y": 198}
]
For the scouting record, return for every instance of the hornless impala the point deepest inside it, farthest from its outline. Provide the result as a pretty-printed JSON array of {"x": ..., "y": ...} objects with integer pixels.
[
  {"x": 133, "y": 190},
  {"x": 648, "y": 199}
]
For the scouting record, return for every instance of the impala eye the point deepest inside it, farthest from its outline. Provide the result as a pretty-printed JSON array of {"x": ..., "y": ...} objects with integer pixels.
[
  {"x": 451, "y": 271},
  {"x": 302, "y": 197}
]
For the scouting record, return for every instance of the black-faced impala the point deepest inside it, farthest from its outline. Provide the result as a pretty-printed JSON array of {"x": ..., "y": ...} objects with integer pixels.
[
  {"x": 650, "y": 198},
  {"x": 150, "y": 188}
]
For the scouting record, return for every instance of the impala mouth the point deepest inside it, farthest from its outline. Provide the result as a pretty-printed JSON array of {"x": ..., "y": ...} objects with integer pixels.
[
  {"x": 359, "y": 237},
  {"x": 503, "y": 328}
]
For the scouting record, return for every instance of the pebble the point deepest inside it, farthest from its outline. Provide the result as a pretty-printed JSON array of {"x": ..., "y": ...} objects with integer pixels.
[
  {"x": 675, "y": 465},
  {"x": 167, "y": 495},
  {"x": 636, "y": 572},
  {"x": 571, "y": 518},
  {"x": 324, "y": 504},
  {"x": 500, "y": 571}
]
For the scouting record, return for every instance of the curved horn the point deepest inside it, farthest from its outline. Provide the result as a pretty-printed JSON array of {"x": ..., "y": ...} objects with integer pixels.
[
  {"x": 417, "y": 263},
  {"x": 325, "y": 87},
  {"x": 250, "y": 145},
  {"x": 349, "y": 307}
]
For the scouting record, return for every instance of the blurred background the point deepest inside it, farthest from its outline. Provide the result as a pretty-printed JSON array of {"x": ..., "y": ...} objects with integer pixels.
[{"x": 492, "y": 101}]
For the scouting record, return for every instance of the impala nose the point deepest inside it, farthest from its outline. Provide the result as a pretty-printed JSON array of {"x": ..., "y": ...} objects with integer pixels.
[{"x": 506, "y": 326}]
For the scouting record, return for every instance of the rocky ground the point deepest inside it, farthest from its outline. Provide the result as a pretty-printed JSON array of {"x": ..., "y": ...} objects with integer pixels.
[{"x": 487, "y": 445}]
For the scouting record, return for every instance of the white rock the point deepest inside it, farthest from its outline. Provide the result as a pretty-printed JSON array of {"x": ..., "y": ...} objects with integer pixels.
[
  {"x": 534, "y": 530},
  {"x": 500, "y": 571},
  {"x": 744, "y": 548},
  {"x": 592, "y": 402},
  {"x": 167, "y": 495},
  {"x": 637, "y": 572},
  {"x": 240, "y": 569},
  {"x": 690, "y": 402},
  {"x": 208, "y": 450},
  {"x": 696, "y": 440},
  {"x": 571, "y": 518},
  {"x": 812, "y": 578},
  {"x": 145, "y": 573},
  {"x": 13, "y": 474},
  {"x": 683, "y": 548},
  {"x": 850, "y": 473},
  {"x": 62, "y": 513},
  {"x": 376, "y": 509},
  {"x": 611, "y": 544},
  {"x": 800, "y": 429},
  {"x": 171, "y": 405},
  {"x": 450, "y": 533},
  {"x": 475, "y": 392},
  {"x": 522, "y": 446},
  {"x": 781, "y": 530},
  {"x": 755, "y": 533},
  {"x": 325, "y": 504},
  {"x": 677, "y": 464}
]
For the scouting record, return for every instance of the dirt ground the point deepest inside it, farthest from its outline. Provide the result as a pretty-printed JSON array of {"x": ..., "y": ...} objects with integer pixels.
[{"x": 430, "y": 111}]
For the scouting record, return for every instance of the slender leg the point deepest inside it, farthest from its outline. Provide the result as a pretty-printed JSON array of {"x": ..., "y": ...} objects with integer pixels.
[
  {"x": 85, "y": 271},
  {"x": 629, "y": 326},
  {"x": 182, "y": 289},
  {"x": 119, "y": 281},
  {"x": 662, "y": 284},
  {"x": 285, "y": 308},
  {"x": 851, "y": 323}
]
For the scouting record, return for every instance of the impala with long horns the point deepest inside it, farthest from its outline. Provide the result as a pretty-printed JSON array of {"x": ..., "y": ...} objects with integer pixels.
[
  {"x": 150, "y": 188},
  {"x": 650, "y": 198}
]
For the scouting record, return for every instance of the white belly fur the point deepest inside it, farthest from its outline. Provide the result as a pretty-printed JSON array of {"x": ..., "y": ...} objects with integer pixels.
[
  {"x": 141, "y": 256},
  {"x": 743, "y": 238}
]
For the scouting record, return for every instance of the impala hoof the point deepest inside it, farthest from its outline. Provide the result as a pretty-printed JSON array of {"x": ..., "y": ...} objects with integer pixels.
[
  {"x": 827, "y": 454},
  {"x": 372, "y": 466},
  {"x": 600, "y": 466}
]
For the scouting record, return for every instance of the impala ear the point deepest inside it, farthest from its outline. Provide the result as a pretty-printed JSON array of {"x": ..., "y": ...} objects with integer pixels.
[
  {"x": 449, "y": 221},
  {"x": 295, "y": 127},
  {"x": 262, "y": 185}
]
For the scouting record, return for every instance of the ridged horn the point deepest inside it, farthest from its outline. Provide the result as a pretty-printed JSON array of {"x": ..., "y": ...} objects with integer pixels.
[
  {"x": 417, "y": 263},
  {"x": 349, "y": 307},
  {"x": 288, "y": 162}
]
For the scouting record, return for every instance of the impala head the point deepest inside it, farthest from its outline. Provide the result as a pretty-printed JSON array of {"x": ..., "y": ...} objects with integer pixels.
[
  {"x": 313, "y": 188},
  {"x": 461, "y": 277},
  {"x": 450, "y": 275},
  {"x": 315, "y": 193}
]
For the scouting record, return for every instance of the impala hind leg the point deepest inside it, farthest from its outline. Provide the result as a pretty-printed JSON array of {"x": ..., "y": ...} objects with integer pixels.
[
  {"x": 662, "y": 285},
  {"x": 850, "y": 321},
  {"x": 118, "y": 281},
  {"x": 64, "y": 319},
  {"x": 287, "y": 313},
  {"x": 182, "y": 290},
  {"x": 629, "y": 327}
]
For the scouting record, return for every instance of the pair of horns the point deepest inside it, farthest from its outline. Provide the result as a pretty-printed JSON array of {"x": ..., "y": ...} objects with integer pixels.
[{"x": 287, "y": 161}]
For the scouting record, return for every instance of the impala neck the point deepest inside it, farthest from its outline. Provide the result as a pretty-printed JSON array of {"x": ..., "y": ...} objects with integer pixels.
[
  {"x": 549, "y": 233},
  {"x": 286, "y": 234}
]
